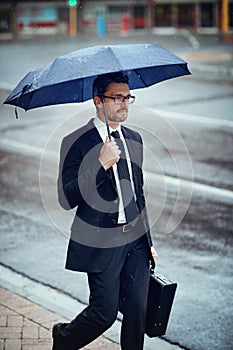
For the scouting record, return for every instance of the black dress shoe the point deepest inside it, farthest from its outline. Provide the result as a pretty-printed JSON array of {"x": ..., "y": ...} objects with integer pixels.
[{"x": 55, "y": 335}]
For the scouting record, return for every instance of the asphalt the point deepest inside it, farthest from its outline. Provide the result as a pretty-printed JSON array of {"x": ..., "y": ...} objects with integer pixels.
[{"x": 29, "y": 309}]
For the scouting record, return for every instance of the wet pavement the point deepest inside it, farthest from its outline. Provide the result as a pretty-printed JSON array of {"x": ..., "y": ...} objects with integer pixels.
[{"x": 197, "y": 255}]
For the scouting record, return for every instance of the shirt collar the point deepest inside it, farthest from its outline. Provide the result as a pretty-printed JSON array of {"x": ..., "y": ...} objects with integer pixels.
[{"x": 102, "y": 129}]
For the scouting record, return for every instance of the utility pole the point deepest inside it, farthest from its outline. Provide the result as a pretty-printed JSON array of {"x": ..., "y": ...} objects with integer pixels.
[
  {"x": 15, "y": 29},
  {"x": 72, "y": 17},
  {"x": 225, "y": 16},
  {"x": 149, "y": 15}
]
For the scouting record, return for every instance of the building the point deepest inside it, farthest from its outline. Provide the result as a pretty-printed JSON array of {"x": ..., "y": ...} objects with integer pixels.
[
  {"x": 191, "y": 14},
  {"x": 27, "y": 18},
  {"x": 55, "y": 17}
]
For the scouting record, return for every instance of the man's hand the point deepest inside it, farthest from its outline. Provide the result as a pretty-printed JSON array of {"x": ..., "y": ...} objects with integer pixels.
[
  {"x": 154, "y": 253},
  {"x": 109, "y": 154}
]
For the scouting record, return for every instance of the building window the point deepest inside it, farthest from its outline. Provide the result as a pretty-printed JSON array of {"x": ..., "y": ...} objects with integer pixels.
[
  {"x": 186, "y": 15},
  {"x": 139, "y": 16},
  {"x": 163, "y": 15},
  {"x": 207, "y": 17},
  {"x": 231, "y": 14},
  {"x": 5, "y": 21}
]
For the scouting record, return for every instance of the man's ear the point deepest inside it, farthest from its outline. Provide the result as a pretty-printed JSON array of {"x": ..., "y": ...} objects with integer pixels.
[{"x": 97, "y": 101}]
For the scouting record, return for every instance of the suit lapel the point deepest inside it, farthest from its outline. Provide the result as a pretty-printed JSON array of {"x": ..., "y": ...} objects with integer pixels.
[
  {"x": 97, "y": 143},
  {"x": 134, "y": 153}
]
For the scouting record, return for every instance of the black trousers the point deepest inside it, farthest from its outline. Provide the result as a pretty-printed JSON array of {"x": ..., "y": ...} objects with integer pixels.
[{"x": 122, "y": 286}]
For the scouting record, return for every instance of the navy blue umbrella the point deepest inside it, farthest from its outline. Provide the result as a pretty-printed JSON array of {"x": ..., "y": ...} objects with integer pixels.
[{"x": 69, "y": 78}]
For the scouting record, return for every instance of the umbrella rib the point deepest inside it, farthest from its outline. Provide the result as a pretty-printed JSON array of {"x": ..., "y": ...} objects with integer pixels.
[{"x": 140, "y": 77}]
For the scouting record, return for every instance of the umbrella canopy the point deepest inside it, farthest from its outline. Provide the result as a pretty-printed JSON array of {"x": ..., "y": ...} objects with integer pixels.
[{"x": 69, "y": 78}]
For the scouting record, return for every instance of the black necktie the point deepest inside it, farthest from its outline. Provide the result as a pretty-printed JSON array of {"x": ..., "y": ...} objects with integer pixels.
[{"x": 130, "y": 206}]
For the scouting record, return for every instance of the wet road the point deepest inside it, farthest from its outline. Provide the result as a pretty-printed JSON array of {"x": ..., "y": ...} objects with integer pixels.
[{"x": 197, "y": 253}]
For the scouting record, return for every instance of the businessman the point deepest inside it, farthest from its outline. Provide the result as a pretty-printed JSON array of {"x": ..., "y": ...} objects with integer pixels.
[{"x": 100, "y": 174}]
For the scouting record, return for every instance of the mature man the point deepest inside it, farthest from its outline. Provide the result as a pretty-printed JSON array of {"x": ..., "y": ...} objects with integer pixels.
[{"x": 110, "y": 237}]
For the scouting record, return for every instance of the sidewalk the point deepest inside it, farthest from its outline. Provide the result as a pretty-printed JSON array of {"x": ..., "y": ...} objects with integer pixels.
[{"x": 27, "y": 326}]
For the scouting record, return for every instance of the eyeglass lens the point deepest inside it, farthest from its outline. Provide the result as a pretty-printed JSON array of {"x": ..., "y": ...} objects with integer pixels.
[{"x": 121, "y": 99}]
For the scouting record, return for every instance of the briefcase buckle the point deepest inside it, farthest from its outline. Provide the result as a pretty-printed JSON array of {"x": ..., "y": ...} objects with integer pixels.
[{"x": 126, "y": 227}]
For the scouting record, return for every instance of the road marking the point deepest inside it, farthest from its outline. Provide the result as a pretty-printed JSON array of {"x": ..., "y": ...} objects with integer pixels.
[
  {"x": 194, "y": 118},
  {"x": 196, "y": 186},
  {"x": 22, "y": 146},
  {"x": 170, "y": 180}
]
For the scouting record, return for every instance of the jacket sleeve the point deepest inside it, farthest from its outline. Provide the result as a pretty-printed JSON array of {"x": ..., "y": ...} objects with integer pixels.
[
  {"x": 142, "y": 195},
  {"x": 79, "y": 177}
]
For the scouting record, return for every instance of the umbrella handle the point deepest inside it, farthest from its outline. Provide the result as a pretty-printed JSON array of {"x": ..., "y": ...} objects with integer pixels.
[
  {"x": 16, "y": 113},
  {"x": 106, "y": 118}
]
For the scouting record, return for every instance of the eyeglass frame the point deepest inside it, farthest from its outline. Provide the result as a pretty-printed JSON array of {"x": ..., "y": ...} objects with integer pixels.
[{"x": 125, "y": 98}]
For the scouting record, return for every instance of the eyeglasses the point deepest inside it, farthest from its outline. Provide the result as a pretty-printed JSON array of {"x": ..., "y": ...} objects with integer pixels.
[{"x": 118, "y": 99}]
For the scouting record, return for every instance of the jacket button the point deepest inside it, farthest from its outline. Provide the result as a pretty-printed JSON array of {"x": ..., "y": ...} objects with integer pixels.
[{"x": 115, "y": 201}]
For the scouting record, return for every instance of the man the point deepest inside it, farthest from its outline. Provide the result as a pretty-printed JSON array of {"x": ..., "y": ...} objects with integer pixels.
[{"x": 110, "y": 238}]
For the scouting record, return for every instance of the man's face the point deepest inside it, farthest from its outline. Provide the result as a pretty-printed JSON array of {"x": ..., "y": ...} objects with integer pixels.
[{"x": 116, "y": 113}]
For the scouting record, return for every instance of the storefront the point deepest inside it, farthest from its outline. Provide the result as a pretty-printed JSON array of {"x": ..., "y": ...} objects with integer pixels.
[
  {"x": 37, "y": 20},
  {"x": 186, "y": 14},
  {"x": 119, "y": 15},
  {"x": 32, "y": 17},
  {"x": 134, "y": 14}
]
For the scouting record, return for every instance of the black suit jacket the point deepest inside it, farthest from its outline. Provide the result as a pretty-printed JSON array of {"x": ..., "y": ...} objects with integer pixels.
[{"x": 83, "y": 183}]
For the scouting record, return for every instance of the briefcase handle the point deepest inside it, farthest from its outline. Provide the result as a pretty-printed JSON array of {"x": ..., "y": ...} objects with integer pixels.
[{"x": 153, "y": 265}]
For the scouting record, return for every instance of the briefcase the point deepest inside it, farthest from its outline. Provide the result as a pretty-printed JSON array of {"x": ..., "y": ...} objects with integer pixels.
[{"x": 160, "y": 299}]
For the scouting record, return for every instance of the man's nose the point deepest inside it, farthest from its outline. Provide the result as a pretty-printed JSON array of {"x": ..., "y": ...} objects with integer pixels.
[{"x": 125, "y": 102}]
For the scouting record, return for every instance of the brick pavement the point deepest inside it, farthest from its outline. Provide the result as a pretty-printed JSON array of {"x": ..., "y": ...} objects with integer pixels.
[{"x": 27, "y": 326}]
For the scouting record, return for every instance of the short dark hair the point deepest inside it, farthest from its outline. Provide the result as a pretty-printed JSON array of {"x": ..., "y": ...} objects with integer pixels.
[{"x": 101, "y": 83}]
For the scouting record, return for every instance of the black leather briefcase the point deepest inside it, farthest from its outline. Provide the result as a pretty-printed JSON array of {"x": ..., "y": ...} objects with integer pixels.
[{"x": 160, "y": 300}]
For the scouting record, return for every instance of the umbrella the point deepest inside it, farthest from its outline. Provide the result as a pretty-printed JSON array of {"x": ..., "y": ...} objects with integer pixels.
[{"x": 69, "y": 78}]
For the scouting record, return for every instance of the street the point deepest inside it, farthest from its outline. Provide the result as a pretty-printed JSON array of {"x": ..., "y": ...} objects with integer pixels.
[{"x": 187, "y": 129}]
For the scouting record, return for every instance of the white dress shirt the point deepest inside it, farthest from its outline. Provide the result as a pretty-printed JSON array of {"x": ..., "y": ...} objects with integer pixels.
[{"x": 102, "y": 129}]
